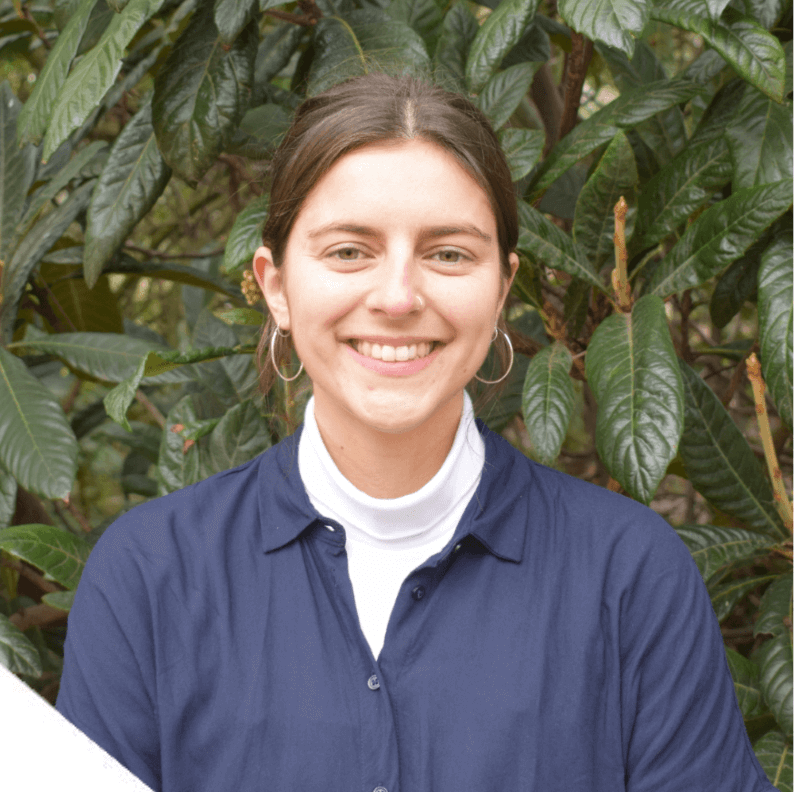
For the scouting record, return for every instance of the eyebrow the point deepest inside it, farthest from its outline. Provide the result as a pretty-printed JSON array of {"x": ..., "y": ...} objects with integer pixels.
[{"x": 432, "y": 233}]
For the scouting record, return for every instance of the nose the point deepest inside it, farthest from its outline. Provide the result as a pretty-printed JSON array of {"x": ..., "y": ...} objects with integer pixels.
[{"x": 394, "y": 289}]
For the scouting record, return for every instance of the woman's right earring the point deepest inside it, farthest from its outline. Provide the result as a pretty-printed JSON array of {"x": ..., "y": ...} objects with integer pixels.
[
  {"x": 281, "y": 334},
  {"x": 510, "y": 365}
]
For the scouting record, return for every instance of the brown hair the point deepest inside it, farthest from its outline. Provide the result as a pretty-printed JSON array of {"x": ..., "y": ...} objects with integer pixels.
[{"x": 370, "y": 109}]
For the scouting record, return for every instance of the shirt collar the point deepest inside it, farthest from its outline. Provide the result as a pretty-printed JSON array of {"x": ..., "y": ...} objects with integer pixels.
[{"x": 497, "y": 515}]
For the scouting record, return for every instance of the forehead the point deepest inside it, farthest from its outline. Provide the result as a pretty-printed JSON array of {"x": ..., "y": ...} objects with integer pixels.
[{"x": 397, "y": 183}]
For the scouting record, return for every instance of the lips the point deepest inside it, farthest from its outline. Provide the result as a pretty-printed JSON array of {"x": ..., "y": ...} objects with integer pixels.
[{"x": 393, "y": 353}]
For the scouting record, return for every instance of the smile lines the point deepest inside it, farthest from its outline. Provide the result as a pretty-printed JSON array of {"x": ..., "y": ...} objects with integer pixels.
[{"x": 390, "y": 353}]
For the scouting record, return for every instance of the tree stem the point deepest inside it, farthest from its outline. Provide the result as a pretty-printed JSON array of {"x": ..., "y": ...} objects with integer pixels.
[
  {"x": 620, "y": 275},
  {"x": 578, "y": 61}
]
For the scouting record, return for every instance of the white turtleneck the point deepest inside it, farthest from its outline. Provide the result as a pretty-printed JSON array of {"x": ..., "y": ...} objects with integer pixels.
[{"x": 387, "y": 538}]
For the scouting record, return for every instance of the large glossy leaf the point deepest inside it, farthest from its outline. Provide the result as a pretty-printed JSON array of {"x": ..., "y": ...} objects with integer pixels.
[
  {"x": 275, "y": 51},
  {"x": 500, "y": 32},
  {"x": 725, "y": 596},
  {"x": 457, "y": 33},
  {"x": 31, "y": 250},
  {"x": 774, "y": 616},
  {"x": 760, "y": 141},
  {"x": 133, "y": 178},
  {"x": 201, "y": 93},
  {"x": 719, "y": 236},
  {"x": 776, "y": 323},
  {"x": 246, "y": 235},
  {"x": 735, "y": 286},
  {"x": 627, "y": 111},
  {"x": 16, "y": 169},
  {"x": 95, "y": 74},
  {"x": 179, "y": 463},
  {"x": 680, "y": 189},
  {"x": 231, "y": 16},
  {"x": 522, "y": 148},
  {"x": 720, "y": 463},
  {"x": 614, "y": 176},
  {"x": 424, "y": 16},
  {"x": 58, "y": 553},
  {"x": 545, "y": 244},
  {"x": 37, "y": 445},
  {"x": 17, "y": 652},
  {"x": 614, "y": 22},
  {"x": 765, "y": 12},
  {"x": 36, "y": 113},
  {"x": 548, "y": 401},
  {"x": 502, "y": 94},
  {"x": 756, "y": 55},
  {"x": 745, "y": 675},
  {"x": 633, "y": 373},
  {"x": 364, "y": 41},
  {"x": 774, "y": 755},
  {"x": 240, "y": 435},
  {"x": 714, "y": 546},
  {"x": 8, "y": 497},
  {"x": 777, "y": 680}
]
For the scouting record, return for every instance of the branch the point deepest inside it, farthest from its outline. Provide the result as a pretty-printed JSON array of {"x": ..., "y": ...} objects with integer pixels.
[
  {"x": 578, "y": 61},
  {"x": 296, "y": 19},
  {"x": 77, "y": 514},
  {"x": 41, "y": 615},
  {"x": 34, "y": 577},
  {"x": 620, "y": 275},
  {"x": 782, "y": 502},
  {"x": 168, "y": 256},
  {"x": 150, "y": 408}
]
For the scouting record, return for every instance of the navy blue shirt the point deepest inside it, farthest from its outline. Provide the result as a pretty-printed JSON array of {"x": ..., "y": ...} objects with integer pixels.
[{"x": 563, "y": 640}]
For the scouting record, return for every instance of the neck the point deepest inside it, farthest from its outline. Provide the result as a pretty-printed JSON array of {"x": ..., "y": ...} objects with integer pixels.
[{"x": 385, "y": 464}]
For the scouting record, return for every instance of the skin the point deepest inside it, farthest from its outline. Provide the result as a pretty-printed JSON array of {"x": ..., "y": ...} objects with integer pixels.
[{"x": 395, "y": 244}]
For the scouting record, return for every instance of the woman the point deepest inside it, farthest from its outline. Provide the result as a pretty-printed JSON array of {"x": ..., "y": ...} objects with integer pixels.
[{"x": 394, "y": 598}]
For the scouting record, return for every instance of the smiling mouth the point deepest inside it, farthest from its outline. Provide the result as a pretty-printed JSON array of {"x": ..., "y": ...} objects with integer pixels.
[{"x": 390, "y": 353}]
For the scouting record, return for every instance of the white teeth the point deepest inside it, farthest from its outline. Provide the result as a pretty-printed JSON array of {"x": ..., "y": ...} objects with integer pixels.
[{"x": 390, "y": 353}]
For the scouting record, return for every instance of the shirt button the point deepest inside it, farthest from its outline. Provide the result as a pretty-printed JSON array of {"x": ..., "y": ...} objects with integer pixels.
[
  {"x": 457, "y": 548},
  {"x": 373, "y": 682},
  {"x": 418, "y": 593}
]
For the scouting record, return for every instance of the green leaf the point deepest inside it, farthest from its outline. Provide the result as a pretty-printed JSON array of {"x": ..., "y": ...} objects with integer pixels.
[
  {"x": 424, "y": 16},
  {"x": 364, "y": 41},
  {"x": 231, "y": 16},
  {"x": 118, "y": 401},
  {"x": 736, "y": 285},
  {"x": 246, "y": 235},
  {"x": 777, "y": 680},
  {"x": 719, "y": 461},
  {"x": 548, "y": 401},
  {"x": 633, "y": 373},
  {"x": 62, "y": 600},
  {"x": 526, "y": 284},
  {"x": 627, "y": 111},
  {"x": 745, "y": 675},
  {"x": 37, "y": 445},
  {"x": 545, "y": 244},
  {"x": 457, "y": 33},
  {"x": 775, "y": 323},
  {"x": 179, "y": 463},
  {"x": 95, "y": 74},
  {"x": 534, "y": 45},
  {"x": 59, "y": 554},
  {"x": 133, "y": 178},
  {"x": 8, "y": 497},
  {"x": 760, "y": 141},
  {"x": 719, "y": 236},
  {"x": 502, "y": 94},
  {"x": 725, "y": 596},
  {"x": 756, "y": 55},
  {"x": 275, "y": 51},
  {"x": 16, "y": 169},
  {"x": 714, "y": 546},
  {"x": 500, "y": 32},
  {"x": 201, "y": 94},
  {"x": 241, "y": 316},
  {"x": 240, "y": 435},
  {"x": 17, "y": 652},
  {"x": 774, "y": 755},
  {"x": 614, "y": 22},
  {"x": 614, "y": 176},
  {"x": 32, "y": 249},
  {"x": 522, "y": 148},
  {"x": 35, "y": 116},
  {"x": 774, "y": 616},
  {"x": 680, "y": 189}
]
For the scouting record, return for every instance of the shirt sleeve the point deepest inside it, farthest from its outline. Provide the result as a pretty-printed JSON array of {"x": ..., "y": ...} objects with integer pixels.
[
  {"x": 682, "y": 727},
  {"x": 108, "y": 684}
]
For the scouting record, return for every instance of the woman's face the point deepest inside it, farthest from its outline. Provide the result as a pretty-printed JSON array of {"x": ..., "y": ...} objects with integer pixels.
[{"x": 390, "y": 286}]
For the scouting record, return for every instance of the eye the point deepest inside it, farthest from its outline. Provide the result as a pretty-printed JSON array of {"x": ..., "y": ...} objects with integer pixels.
[
  {"x": 450, "y": 256},
  {"x": 346, "y": 253}
]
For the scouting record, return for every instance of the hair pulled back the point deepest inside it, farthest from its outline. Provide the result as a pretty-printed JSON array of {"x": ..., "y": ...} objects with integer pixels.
[{"x": 371, "y": 109}]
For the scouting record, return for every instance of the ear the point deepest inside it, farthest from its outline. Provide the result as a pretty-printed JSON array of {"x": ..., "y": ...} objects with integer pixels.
[
  {"x": 271, "y": 281},
  {"x": 513, "y": 261}
]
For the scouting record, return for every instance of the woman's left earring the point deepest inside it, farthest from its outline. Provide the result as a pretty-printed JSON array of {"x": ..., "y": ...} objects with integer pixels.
[
  {"x": 496, "y": 332},
  {"x": 281, "y": 334}
]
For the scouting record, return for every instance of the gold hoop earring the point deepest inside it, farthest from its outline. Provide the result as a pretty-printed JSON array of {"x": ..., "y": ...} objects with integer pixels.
[
  {"x": 281, "y": 334},
  {"x": 496, "y": 332}
]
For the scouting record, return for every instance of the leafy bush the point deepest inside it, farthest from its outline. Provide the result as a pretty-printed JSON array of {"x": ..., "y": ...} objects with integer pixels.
[{"x": 145, "y": 140}]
